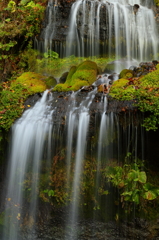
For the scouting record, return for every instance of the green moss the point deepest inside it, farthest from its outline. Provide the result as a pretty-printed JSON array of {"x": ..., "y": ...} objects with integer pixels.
[
  {"x": 78, "y": 85},
  {"x": 82, "y": 75},
  {"x": 126, "y": 73},
  {"x": 148, "y": 98},
  {"x": 119, "y": 83},
  {"x": 50, "y": 82},
  {"x": 145, "y": 92},
  {"x": 156, "y": 2},
  {"x": 157, "y": 66},
  {"x": 14, "y": 94},
  {"x": 56, "y": 67},
  {"x": 99, "y": 69},
  {"x": 71, "y": 72},
  {"x": 61, "y": 87},
  {"x": 32, "y": 81},
  {"x": 122, "y": 90}
]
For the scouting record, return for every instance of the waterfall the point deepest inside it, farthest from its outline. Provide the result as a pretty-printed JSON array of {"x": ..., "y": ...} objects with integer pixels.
[
  {"x": 125, "y": 28},
  {"x": 38, "y": 140},
  {"x": 29, "y": 137},
  {"x": 78, "y": 121},
  {"x": 84, "y": 139},
  {"x": 50, "y": 30}
]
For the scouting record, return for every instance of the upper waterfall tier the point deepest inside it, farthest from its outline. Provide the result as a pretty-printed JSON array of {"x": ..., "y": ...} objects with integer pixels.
[{"x": 125, "y": 28}]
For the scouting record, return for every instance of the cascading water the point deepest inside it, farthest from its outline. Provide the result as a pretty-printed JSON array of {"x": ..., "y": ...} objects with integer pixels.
[
  {"x": 97, "y": 28},
  {"x": 33, "y": 137},
  {"x": 29, "y": 136},
  {"x": 35, "y": 142},
  {"x": 129, "y": 28},
  {"x": 78, "y": 121},
  {"x": 49, "y": 32}
]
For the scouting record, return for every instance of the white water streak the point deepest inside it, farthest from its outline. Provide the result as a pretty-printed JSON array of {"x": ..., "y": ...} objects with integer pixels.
[{"x": 28, "y": 138}]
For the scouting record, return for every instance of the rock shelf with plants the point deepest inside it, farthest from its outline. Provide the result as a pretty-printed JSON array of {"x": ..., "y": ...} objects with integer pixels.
[
  {"x": 143, "y": 88},
  {"x": 14, "y": 93}
]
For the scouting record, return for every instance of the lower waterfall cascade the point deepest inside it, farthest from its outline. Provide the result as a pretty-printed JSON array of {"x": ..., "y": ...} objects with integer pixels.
[{"x": 39, "y": 142}]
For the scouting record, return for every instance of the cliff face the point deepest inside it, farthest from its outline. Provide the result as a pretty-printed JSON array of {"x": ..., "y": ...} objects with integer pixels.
[{"x": 60, "y": 15}]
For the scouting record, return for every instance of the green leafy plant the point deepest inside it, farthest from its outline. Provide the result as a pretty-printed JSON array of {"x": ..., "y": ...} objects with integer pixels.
[
  {"x": 50, "y": 193},
  {"x": 131, "y": 180},
  {"x": 51, "y": 54},
  {"x": 20, "y": 22}
]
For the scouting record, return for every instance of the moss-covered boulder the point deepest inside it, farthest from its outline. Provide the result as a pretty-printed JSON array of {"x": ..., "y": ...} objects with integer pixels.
[
  {"x": 126, "y": 73},
  {"x": 99, "y": 70},
  {"x": 50, "y": 82},
  {"x": 14, "y": 93},
  {"x": 62, "y": 79},
  {"x": 83, "y": 75},
  {"x": 36, "y": 82}
]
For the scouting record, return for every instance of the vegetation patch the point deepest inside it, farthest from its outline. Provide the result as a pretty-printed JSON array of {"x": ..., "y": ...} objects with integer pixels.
[
  {"x": 135, "y": 184},
  {"x": 145, "y": 93},
  {"x": 14, "y": 93},
  {"x": 82, "y": 75},
  {"x": 126, "y": 73},
  {"x": 20, "y": 22},
  {"x": 57, "y": 66},
  {"x": 156, "y": 2}
]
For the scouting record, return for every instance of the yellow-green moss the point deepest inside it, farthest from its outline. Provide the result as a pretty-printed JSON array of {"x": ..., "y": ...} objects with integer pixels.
[
  {"x": 145, "y": 91},
  {"x": 126, "y": 73},
  {"x": 50, "y": 82},
  {"x": 71, "y": 72},
  {"x": 121, "y": 90},
  {"x": 119, "y": 83},
  {"x": 14, "y": 94},
  {"x": 156, "y": 2},
  {"x": 33, "y": 81},
  {"x": 82, "y": 75}
]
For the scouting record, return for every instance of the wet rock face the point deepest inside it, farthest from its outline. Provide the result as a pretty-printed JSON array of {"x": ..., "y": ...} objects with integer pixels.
[
  {"x": 55, "y": 228},
  {"x": 61, "y": 20},
  {"x": 61, "y": 17},
  {"x": 61, "y": 101},
  {"x": 103, "y": 19},
  {"x": 144, "y": 68}
]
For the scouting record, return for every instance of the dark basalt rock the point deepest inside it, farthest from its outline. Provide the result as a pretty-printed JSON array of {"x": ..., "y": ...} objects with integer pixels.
[
  {"x": 54, "y": 227},
  {"x": 62, "y": 79}
]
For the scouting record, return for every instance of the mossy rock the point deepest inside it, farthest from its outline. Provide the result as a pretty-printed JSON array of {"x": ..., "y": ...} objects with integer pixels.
[
  {"x": 99, "y": 70},
  {"x": 63, "y": 78},
  {"x": 70, "y": 74},
  {"x": 16, "y": 92},
  {"x": 83, "y": 75},
  {"x": 120, "y": 83},
  {"x": 157, "y": 66},
  {"x": 110, "y": 68},
  {"x": 126, "y": 73},
  {"x": 33, "y": 81},
  {"x": 50, "y": 82}
]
